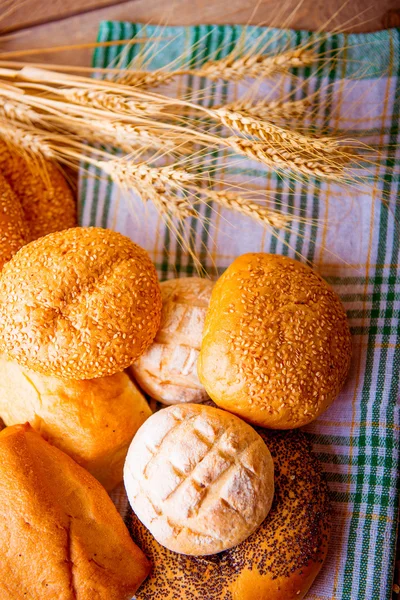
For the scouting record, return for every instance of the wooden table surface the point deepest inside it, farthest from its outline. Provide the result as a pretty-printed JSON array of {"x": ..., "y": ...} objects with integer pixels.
[{"x": 42, "y": 24}]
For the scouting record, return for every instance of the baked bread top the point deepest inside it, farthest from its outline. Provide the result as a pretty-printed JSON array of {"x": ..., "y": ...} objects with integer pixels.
[
  {"x": 199, "y": 478},
  {"x": 13, "y": 231},
  {"x": 167, "y": 370},
  {"x": 80, "y": 303},
  {"x": 61, "y": 535},
  {"x": 276, "y": 347},
  {"x": 278, "y": 562}
]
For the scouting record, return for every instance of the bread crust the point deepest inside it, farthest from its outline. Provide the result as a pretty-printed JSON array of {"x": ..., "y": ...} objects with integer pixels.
[
  {"x": 47, "y": 201},
  {"x": 93, "y": 421},
  {"x": 79, "y": 304},
  {"x": 167, "y": 371},
  {"x": 13, "y": 231},
  {"x": 61, "y": 535},
  {"x": 276, "y": 348},
  {"x": 278, "y": 562},
  {"x": 199, "y": 478}
]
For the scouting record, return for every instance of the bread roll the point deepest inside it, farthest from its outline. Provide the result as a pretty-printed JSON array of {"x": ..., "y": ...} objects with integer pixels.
[
  {"x": 13, "y": 232},
  {"x": 200, "y": 479},
  {"x": 79, "y": 304},
  {"x": 276, "y": 347},
  {"x": 167, "y": 371},
  {"x": 278, "y": 562},
  {"x": 61, "y": 535},
  {"x": 93, "y": 421},
  {"x": 46, "y": 199}
]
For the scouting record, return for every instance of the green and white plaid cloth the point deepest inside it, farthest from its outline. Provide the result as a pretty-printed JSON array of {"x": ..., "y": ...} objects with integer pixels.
[{"x": 353, "y": 242}]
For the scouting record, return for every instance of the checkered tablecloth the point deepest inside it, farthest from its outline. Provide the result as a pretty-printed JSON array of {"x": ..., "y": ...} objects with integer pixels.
[{"x": 353, "y": 242}]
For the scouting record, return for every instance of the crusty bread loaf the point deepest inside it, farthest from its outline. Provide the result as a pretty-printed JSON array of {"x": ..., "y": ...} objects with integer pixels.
[
  {"x": 167, "y": 371},
  {"x": 278, "y": 562},
  {"x": 79, "y": 304},
  {"x": 93, "y": 421},
  {"x": 276, "y": 347},
  {"x": 47, "y": 201},
  {"x": 200, "y": 479},
  {"x": 13, "y": 231},
  {"x": 61, "y": 536}
]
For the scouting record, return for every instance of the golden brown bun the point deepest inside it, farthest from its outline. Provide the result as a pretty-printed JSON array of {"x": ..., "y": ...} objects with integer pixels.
[
  {"x": 278, "y": 562},
  {"x": 167, "y": 371},
  {"x": 79, "y": 304},
  {"x": 93, "y": 421},
  {"x": 61, "y": 536},
  {"x": 199, "y": 478},
  {"x": 47, "y": 201},
  {"x": 13, "y": 232},
  {"x": 276, "y": 347}
]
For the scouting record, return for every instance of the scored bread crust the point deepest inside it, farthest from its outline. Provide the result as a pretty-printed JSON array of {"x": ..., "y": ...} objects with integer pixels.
[
  {"x": 46, "y": 199},
  {"x": 79, "y": 304},
  {"x": 276, "y": 348},
  {"x": 61, "y": 535},
  {"x": 167, "y": 371},
  {"x": 199, "y": 478},
  {"x": 93, "y": 421},
  {"x": 278, "y": 562},
  {"x": 13, "y": 231}
]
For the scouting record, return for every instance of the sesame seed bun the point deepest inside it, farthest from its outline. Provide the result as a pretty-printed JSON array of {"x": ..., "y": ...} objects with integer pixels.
[
  {"x": 278, "y": 562},
  {"x": 13, "y": 232},
  {"x": 61, "y": 535},
  {"x": 93, "y": 421},
  {"x": 79, "y": 304},
  {"x": 276, "y": 346},
  {"x": 167, "y": 371},
  {"x": 46, "y": 199},
  {"x": 199, "y": 478}
]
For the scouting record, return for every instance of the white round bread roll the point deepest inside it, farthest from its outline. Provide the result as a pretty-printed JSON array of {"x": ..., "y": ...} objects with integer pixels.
[
  {"x": 167, "y": 371},
  {"x": 199, "y": 478}
]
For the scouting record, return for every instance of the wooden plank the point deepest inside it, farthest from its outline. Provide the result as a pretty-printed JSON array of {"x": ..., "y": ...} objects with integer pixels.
[{"x": 311, "y": 14}]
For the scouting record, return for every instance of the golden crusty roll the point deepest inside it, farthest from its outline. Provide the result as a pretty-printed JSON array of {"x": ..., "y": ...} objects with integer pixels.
[
  {"x": 13, "y": 231},
  {"x": 200, "y": 479},
  {"x": 278, "y": 562},
  {"x": 276, "y": 347},
  {"x": 167, "y": 371},
  {"x": 61, "y": 535},
  {"x": 93, "y": 421},
  {"x": 46, "y": 199},
  {"x": 79, "y": 304}
]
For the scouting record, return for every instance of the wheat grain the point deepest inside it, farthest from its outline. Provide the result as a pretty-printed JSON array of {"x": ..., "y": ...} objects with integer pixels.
[
  {"x": 238, "y": 203},
  {"x": 254, "y": 66},
  {"x": 275, "y": 110},
  {"x": 112, "y": 102},
  {"x": 146, "y": 79},
  {"x": 127, "y": 173},
  {"x": 31, "y": 142},
  {"x": 18, "y": 111}
]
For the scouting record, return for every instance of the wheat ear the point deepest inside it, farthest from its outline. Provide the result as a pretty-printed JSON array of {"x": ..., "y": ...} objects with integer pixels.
[
  {"x": 111, "y": 102},
  {"x": 275, "y": 110}
]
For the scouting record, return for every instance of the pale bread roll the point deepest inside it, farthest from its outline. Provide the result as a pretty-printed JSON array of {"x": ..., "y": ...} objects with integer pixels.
[
  {"x": 167, "y": 371},
  {"x": 79, "y": 304},
  {"x": 61, "y": 536},
  {"x": 200, "y": 479},
  {"x": 93, "y": 421}
]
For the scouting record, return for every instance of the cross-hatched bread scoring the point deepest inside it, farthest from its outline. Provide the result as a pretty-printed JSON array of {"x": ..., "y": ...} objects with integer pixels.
[
  {"x": 278, "y": 562},
  {"x": 79, "y": 304},
  {"x": 61, "y": 536},
  {"x": 46, "y": 199},
  {"x": 276, "y": 347},
  {"x": 167, "y": 371},
  {"x": 13, "y": 231},
  {"x": 199, "y": 478},
  {"x": 93, "y": 421}
]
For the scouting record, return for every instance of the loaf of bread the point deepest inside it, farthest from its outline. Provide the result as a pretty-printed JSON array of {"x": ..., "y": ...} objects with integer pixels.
[
  {"x": 61, "y": 535},
  {"x": 46, "y": 199},
  {"x": 13, "y": 231},
  {"x": 278, "y": 562},
  {"x": 167, "y": 371},
  {"x": 93, "y": 421},
  {"x": 79, "y": 304},
  {"x": 200, "y": 479},
  {"x": 276, "y": 348}
]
